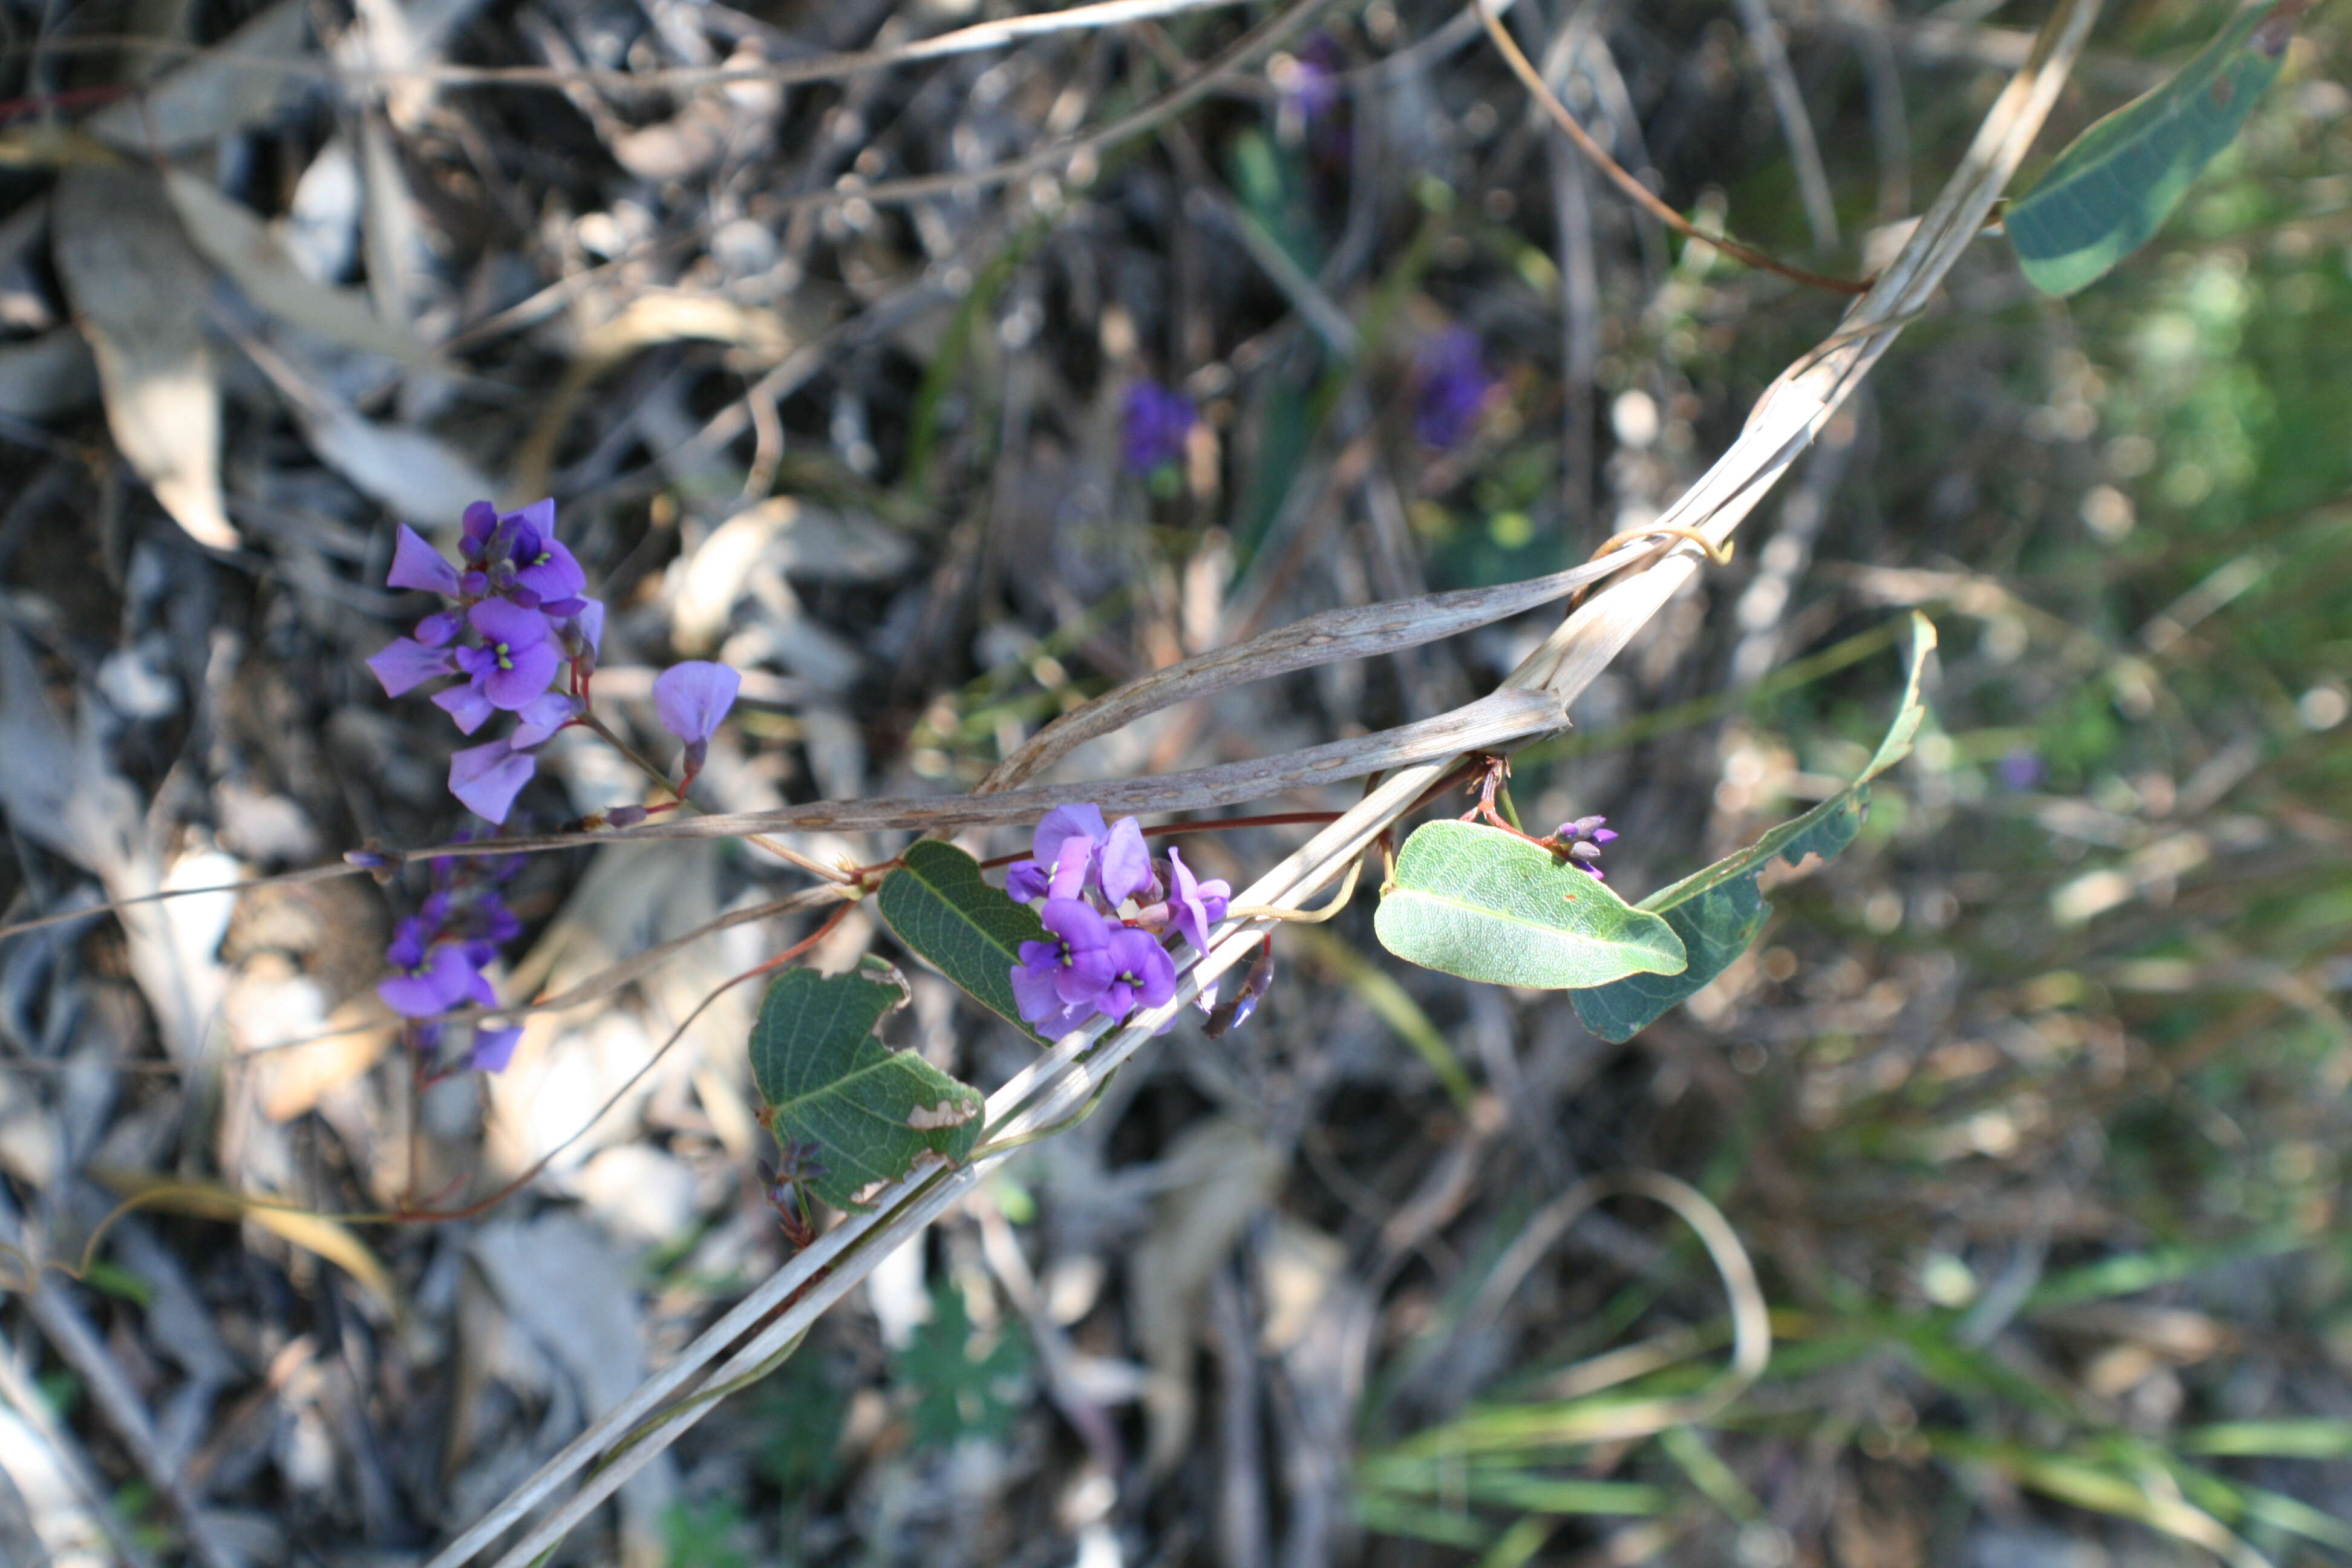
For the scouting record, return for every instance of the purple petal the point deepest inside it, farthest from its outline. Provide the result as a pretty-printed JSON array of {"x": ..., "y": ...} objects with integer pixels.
[
  {"x": 409, "y": 995},
  {"x": 527, "y": 672},
  {"x": 1075, "y": 922},
  {"x": 485, "y": 779},
  {"x": 553, "y": 574},
  {"x": 407, "y": 949},
  {"x": 492, "y": 1048},
  {"x": 587, "y": 626},
  {"x": 1026, "y": 881},
  {"x": 1126, "y": 862},
  {"x": 690, "y": 698},
  {"x": 1034, "y": 992},
  {"x": 1198, "y": 905},
  {"x": 435, "y": 630},
  {"x": 1141, "y": 968},
  {"x": 417, "y": 564},
  {"x": 501, "y": 622},
  {"x": 404, "y": 664},
  {"x": 466, "y": 705},
  {"x": 481, "y": 522},
  {"x": 1067, "y": 822},
  {"x": 541, "y": 717},
  {"x": 1074, "y": 867}
]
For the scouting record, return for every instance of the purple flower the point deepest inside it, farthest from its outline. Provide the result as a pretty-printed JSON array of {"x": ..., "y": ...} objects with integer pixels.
[
  {"x": 2021, "y": 770},
  {"x": 481, "y": 521},
  {"x": 1124, "y": 865},
  {"x": 1581, "y": 841},
  {"x": 492, "y": 1048},
  {"x": 403, "y": 664},
  {"x": 1067, "y": 971},
  {"x": 690, "y": 698},
  {"x": 466, "y": 705},
  {"x": 1454, "y": 387},
  {"x": 485, "y": 779},
  {"x": 417, "y": 564},
  {"x": 1159, "y": 421},
  {"x": 1027, "y": 881},
  {"x": 1195, "y": 905},
  {"x": 1140, "y": 971},
  {"x": 1307, "y": 84},
  {"x": 439, "y": 628},
  {"x": 543, "y": 566},
  {"x": 430, "y": 980},
  {"x": 518, "y": 656}
]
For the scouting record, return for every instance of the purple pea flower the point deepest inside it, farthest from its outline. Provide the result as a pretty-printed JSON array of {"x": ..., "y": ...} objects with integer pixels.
[
  {"x": 2019, "y": 770},
  {"x": 1075, "y": 831},
  {"x": 1141, "y": 971},
  {"x": 1582, "y": 839},
  {"x": 543, "y": 566},
  {"x": 1159, "y": 420},
  {"x": 518, "y": 656},
  {"x": 1454, "y": 387},
  {"x": 1195, "y": 905},
  {"x": 403, "y": 664},
  {"x": 485, "y": 779},
  {"x": 690, "y": 698},
  {"x": 492, "y": 1048},
  {"x": 1068, "y": 971},
  {"x": 417, "y": 564},
  {"x": 1124, "y": 867},
  {"x": 1026, "y": 881},
  {"x": 429, "y": 980}
]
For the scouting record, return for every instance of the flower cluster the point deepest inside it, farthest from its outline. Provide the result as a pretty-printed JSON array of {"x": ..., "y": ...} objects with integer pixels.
[
  {"x": 437, "y": 956},
  {"x": 519, "y": 615},
  {"x": 1106, "y": 904},
  {"x": 1453, "y": 388},
  {"x": 1159, "y": 421},
  {"x": 1581, "y": 840}
]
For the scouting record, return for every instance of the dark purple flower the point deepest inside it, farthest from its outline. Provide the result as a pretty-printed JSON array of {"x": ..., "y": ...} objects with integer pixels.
[
  {"x": 404, "y": 664},
  {"x": 1141, "y": 971},
  {"x": 481, "y": 521},
  {"x": 1581, "y": 841},
  {"x": 1124, "y": 865},
  {"x": 430, "y": 980},
  {"x": 417, "y": 564},
  {"x": 485, "y": 779},
  {"x": 690, "y": 698},
  {"x": 1159, "y": 421},
  {"x": 518, "y": 656},
  {"x": 1454, "y": 387},
  {"x": 1194, "y": 905},
  {"x": 1233, "y": 1014},
  {"x": 492, "y": 1048}
]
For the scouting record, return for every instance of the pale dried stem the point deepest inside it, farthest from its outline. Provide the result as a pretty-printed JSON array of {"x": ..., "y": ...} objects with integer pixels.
[{"x": 1062, "y": 1081}]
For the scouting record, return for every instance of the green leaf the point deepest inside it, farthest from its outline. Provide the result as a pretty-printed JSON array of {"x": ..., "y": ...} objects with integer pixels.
[
  {"x": 1484, "y": 904},
  {"x": 937, "y": 904},
  {"x": 2114, "y": 184},
  {"x": 872, "y": 1113},
  {"x": 963, "y": 1388},
  {"x": 1717, "y": 911}
]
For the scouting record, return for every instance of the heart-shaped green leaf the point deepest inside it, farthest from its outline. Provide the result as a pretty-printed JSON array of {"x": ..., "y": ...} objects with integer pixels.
[
  {"x": 938, "y": 905},
  {"x": 1717, "y": 911},
  {"x": 872, "y": 1113},
  {"x": 1484, "y": 904},
  {"x": 2116, "y": 182}
]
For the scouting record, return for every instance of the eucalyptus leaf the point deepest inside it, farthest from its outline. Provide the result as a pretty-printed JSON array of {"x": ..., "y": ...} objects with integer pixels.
[
  {"x": 972, "y": 933},
  {"x": 1474, "y": 900},
  {"x": 1717, "y": 911},
  {"x": 2114, "y": 184},
  {"x": 872, "y": 1113}
]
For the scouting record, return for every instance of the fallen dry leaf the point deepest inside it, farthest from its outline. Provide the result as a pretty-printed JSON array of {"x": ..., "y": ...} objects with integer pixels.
[{"x": 138, "y": 294}]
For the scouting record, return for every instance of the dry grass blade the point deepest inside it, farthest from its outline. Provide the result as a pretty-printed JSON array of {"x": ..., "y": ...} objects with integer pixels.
[
  {"x": 1061, "y": 1082},
  {"x": 1489, "y": 723}
]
